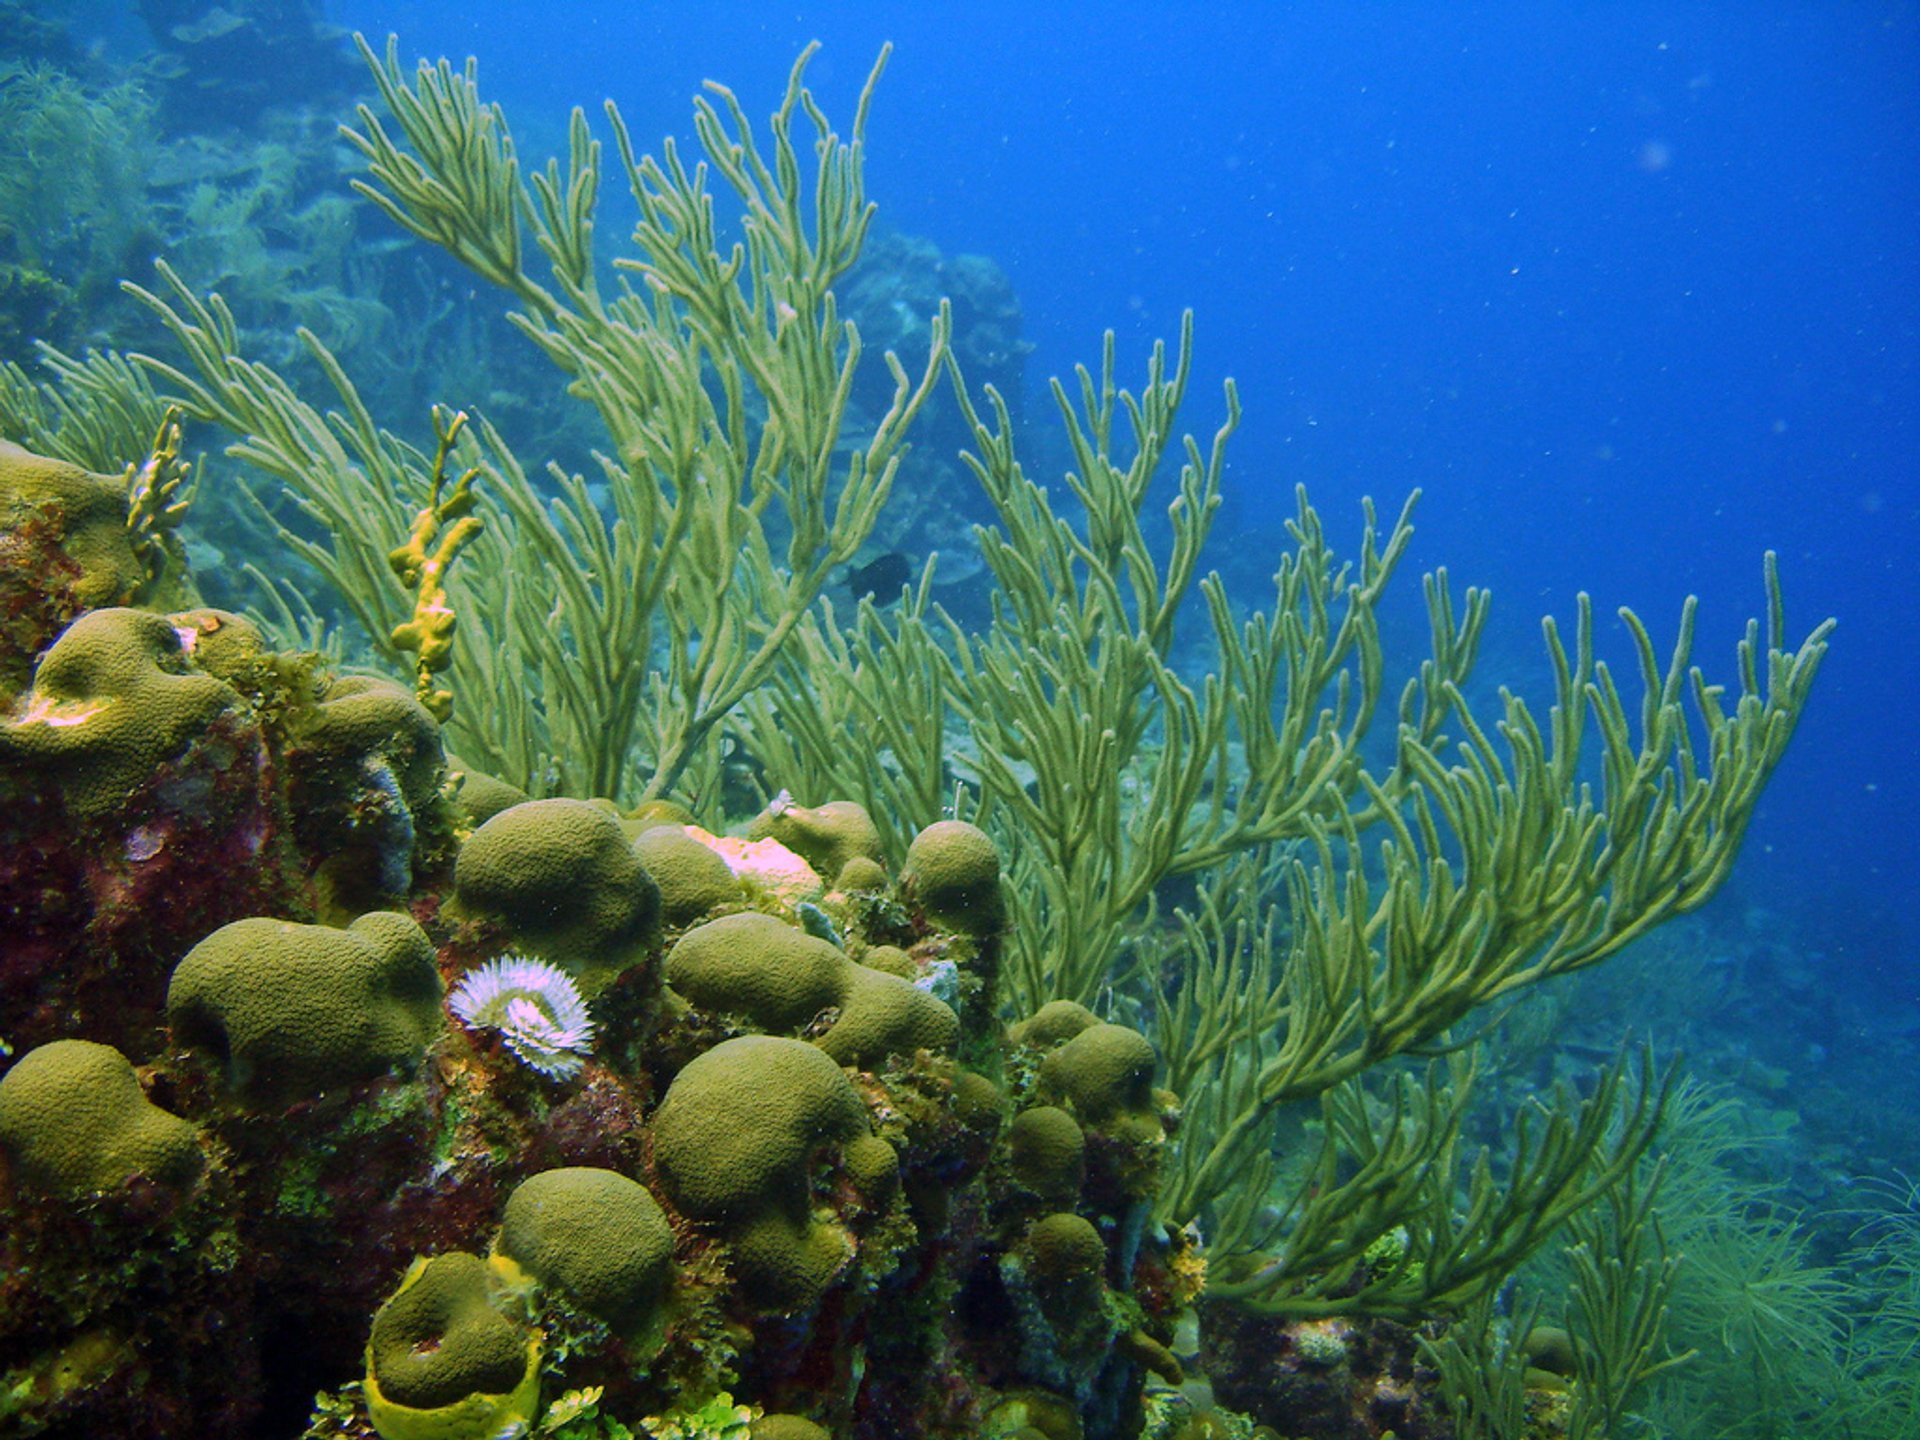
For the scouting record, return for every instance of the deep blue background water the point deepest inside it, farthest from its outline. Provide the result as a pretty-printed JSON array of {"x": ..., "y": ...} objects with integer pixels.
[{"x": 1631, "y": 290}]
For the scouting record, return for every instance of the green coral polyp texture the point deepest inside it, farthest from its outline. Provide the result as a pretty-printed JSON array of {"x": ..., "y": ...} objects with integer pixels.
[
  {"x": 1104, "y": 1074},
  {"x": 444, "y": 1360},
  {"x": 953, "y": 872},
  {"x": 598, "y": 1237},
  {"x": 1046, "y": 1150},
  {"x": 735, "y": 1140},
  {"x": 292, "y": 1010},
  {"x": 87, "y": 518},
  {"x": 75, "y": 1122},
  {"x": 114, "y": 697},
  {"x": 693, "y": 880},
  {"x": 828, "y": 837},
  {"x": 563, "y": 880},
  {"x": 781, "y": 979}
]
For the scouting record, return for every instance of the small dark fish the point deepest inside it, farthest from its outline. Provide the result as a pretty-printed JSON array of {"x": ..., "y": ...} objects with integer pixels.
[{"x": 882, "y": 578}]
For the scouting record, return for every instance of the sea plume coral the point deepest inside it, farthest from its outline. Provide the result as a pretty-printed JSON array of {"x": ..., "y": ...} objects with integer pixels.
[{"x": 535, "y": 1006}]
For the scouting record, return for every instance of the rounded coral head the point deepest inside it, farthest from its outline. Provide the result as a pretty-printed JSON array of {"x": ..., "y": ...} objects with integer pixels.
[
  {"x": 75, "y": 1122},
  {"x": 561, "y": 877},
  {"x": 446, "y": 1359},
  {"x": 294, "y": 1010},
  {"x": 596, "y": 1236},
  {"x": 953, "y": 874}
]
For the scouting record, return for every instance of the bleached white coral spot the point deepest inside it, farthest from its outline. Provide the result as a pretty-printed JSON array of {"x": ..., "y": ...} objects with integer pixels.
[{"x": 535, "y": 1007}]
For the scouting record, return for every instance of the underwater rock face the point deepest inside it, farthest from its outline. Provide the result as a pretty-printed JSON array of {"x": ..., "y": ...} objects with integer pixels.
[{"x": 139, "y": 808}]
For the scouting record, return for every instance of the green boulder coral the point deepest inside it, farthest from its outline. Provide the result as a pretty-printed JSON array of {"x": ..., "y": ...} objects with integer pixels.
[
  {"x": 72, "y": 541},
  {"x": 295, "y": 1010},
  {"x": 85, "y": 516},
  {"x": 115, "y": 697},
  {"x": 787, "y": 1427},
  {"x": 563, "y": 879},
  {"x": 827, "y": 836},
  {"x": 781, "y": 979},
  {"x": 445, "y": 1361},
  {"x": 692, "y": 877},
  {"x": 595, "y": 1236},
  {"x": 734, "y": 1142},
  {"x": 365, "y": 768},
  {"x": 75, "y": 1122},
  {"x": 1104, "y": 1075},
  {"x": 953, "y": 874},
  {"x": 481, "y": 796},
  {"x": 1047, "y": 1153}
]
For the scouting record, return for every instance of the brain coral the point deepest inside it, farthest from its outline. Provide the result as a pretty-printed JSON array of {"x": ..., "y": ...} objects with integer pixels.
[
  {"x": 75, "y": 1122},
  {"x": 444, "y": 1362},
  {"x": 827, "y": 836},
  {"x": 1054, "y": 1023},
  {"x": 781, "y": 978},
  {"x": 87, "y": 514},
  {"x": 1047, "y": 1153},
  {"x": 953, "y": 874},
  {"x": 481, "y": 796},
  {"x": 1103, "y": 1073},
  {"x": 65, "y": 548},
  {"x": 113, "y": 698},
  {"x": 692, "y": 878},
  {"x": 1064, "y": 1254},
  {"x": 562, "y": 877},
  {"x": 733, "y": 1143},
  {"x": 362, "y": 718},
  {"x": 296, "y": 1009},
  {"x": 595, "y": 1236}
]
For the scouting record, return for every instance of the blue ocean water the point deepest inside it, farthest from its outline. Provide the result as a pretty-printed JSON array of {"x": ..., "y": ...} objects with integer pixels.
[{"x": 1631, "y": 291}]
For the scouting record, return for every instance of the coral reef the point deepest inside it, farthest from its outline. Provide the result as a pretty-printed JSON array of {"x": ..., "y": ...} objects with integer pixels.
[
  {"x": 560, "y": 879},
  {"x": 733, "y": 1135}
]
